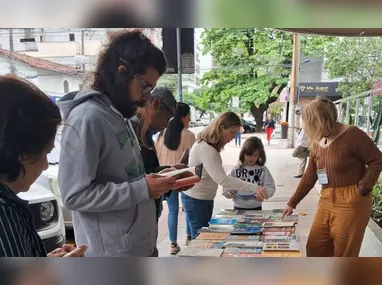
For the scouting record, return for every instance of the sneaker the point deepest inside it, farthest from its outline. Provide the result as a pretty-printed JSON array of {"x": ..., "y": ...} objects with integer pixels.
[
  {"x": 298, "y": 176},
  {"x": 174, "y": 248},
  {"x": 188, "y": 239}
]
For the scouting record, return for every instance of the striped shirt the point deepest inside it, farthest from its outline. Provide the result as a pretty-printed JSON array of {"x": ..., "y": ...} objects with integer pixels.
[{"x": 18, "y": 236}]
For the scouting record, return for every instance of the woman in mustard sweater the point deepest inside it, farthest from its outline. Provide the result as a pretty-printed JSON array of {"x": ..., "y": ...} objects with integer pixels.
[{"x": 347, "y": 164}]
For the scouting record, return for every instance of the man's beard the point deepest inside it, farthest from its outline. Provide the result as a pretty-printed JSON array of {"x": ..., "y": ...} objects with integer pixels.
[
  {"x": 127, "y": 107},
  {"x": 140, "y": 103}
]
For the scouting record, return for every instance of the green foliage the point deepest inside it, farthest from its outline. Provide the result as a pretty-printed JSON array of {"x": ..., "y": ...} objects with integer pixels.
[
  {"x": 377, "y": 123},
  {"x": 253, "y": 64},
  {"x": 170, "y": 81},
  {"x": 193, "y": 99},
  {"x": 377, "y": 202},
  {"x": 357, "y": 60}
]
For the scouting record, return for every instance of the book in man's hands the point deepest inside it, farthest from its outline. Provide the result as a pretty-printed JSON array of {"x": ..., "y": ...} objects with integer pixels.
[{"x": 187, "y": 176}]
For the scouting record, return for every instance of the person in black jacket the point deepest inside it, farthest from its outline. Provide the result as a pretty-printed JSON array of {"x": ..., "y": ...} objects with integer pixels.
[
  {"x": 163, "y": 107},
  {"x": 149, "y": 121}
]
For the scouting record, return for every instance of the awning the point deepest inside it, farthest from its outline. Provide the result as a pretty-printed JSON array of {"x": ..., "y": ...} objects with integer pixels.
[{"x": 341, "y": 32}]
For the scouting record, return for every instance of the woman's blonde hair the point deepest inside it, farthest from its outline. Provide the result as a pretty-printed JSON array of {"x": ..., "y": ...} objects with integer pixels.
[
  {"x": 319, "y": 117},
  {"x": 213, "y": 134}
]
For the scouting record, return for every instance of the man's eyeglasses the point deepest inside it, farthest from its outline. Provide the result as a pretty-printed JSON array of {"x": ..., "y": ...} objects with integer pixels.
[{"x": 147, "y": 87}]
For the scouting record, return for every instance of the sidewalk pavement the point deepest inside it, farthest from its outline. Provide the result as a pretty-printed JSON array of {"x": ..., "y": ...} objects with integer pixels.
[{"x": 283, "y": 167}]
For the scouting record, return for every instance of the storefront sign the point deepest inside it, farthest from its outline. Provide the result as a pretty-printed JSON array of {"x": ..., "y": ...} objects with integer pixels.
[{"x": 313, "y": 89}]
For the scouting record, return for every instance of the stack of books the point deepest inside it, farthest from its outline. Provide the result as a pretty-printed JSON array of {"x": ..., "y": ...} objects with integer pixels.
[{"x": 233, "y": 233}]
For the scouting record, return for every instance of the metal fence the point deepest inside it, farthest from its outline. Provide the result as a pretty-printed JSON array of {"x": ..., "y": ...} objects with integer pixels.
[{"x": 363, "y": 110}]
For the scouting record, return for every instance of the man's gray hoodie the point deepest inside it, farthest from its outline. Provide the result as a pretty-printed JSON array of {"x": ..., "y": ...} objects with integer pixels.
[{"x": 101, "y": 179}]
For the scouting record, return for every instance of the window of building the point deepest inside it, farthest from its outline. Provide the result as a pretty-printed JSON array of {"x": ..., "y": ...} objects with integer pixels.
[
  {"x": 66, "y": 86},
  {"x": 72, "y": 37}
]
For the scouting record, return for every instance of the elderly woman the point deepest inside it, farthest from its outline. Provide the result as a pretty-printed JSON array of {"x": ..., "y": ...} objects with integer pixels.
[
  {"x": 28, "y": 125},
  {"x": 347, "y": 164}
]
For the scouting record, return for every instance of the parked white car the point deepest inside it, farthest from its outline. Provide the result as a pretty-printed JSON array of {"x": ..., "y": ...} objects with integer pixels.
[
  {"x": 48, "y": 180},
  {"x": 47, "y": 216}
]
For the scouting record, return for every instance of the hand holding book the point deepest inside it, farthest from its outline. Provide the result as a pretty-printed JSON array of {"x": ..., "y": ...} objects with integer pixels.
[{"x": 185, "y": 178}]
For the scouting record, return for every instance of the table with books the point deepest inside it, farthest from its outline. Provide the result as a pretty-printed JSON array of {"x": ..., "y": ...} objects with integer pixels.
[{"x": 241, "y": 233}]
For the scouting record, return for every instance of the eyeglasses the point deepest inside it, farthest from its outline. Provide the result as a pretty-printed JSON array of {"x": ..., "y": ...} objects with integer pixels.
[{"x": 147, "y": 87}]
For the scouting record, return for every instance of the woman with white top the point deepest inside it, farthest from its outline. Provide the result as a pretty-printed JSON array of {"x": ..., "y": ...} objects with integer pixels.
[
  {"x": 170, "y": 147},
  {"x": 198, "y": 202}
]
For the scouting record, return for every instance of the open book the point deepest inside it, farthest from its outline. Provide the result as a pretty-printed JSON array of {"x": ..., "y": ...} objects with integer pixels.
[{"x": 188, "y": 176}]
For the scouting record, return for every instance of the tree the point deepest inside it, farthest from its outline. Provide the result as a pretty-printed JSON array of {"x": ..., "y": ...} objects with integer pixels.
[
  {"x": 170, "y": 81},
  {"x": 253, "y": 64},
  {"x": 357, "y": 61},
  {"x": 193, "y": 99}
]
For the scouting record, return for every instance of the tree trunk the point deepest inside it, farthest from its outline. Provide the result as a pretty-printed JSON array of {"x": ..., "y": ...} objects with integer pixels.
[{"x": 257, "y": 113}]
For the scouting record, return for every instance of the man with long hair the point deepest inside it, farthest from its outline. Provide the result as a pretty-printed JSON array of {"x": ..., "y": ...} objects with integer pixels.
[{"x": 101, "y": 176}]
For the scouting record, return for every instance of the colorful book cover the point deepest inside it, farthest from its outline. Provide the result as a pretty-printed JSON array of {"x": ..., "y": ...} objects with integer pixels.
[
  {"x": 243, "y": 244},
  {"x": 242, "y": 251},
  {"x": 279, "y": 229},
  {"x": 247, "y": 231},
  {"x": 244, "y": 237},
  {"x": 245, "y": 220},
  {"x": 278, "y": 224},
  {"x": 217, "y": 229},
  {"x": 212, "y": 236},
  {"x": 200, "y": 252},
  {"x": 247, "y": 225},
  {"x": 257, "y": 216},
  {"x": 287, "y": 238},
  {"x": 206, "y": 244},
  {"x": 218, "y": 244},
  {"x": 281, "y": 254},
  {"x": 282, "y": 246},
  {"x": 265, "y": 233},
  {"x": 216, "y": 221}
]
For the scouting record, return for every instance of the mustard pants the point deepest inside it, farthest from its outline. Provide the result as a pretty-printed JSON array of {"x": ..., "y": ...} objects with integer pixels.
[{"x": 340, "y": 223}]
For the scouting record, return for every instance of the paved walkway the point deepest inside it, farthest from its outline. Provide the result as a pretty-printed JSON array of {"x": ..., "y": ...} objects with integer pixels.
[{"x": 283, "y": 167}]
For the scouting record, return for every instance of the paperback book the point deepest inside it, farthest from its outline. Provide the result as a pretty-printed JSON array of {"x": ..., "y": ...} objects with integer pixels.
[
  {"x": 282, "y": 246},
  {"x": 218, "y": 221},
  {"x": 278, "y": 225},
  {"x": 216, "y": 229},
  {"x": 242, "y": 252},
  {"x": 276, "y": 234},
  {"x": 238, "y": 225},
  {"x": 200, "y": 252},
  {"x": 187, "y": 177},
  {"x": 212, "y": 236},
  {"x": 246, "y": 220},
  {"x": 247, "y": 231},
  {"x": 243, "y": 238},
  {"x": 279, "y": 229},
  {"x": 272, "y": 239},
  {"x": 206, "y": 244},
  {"x": 243, "y": 244}
]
